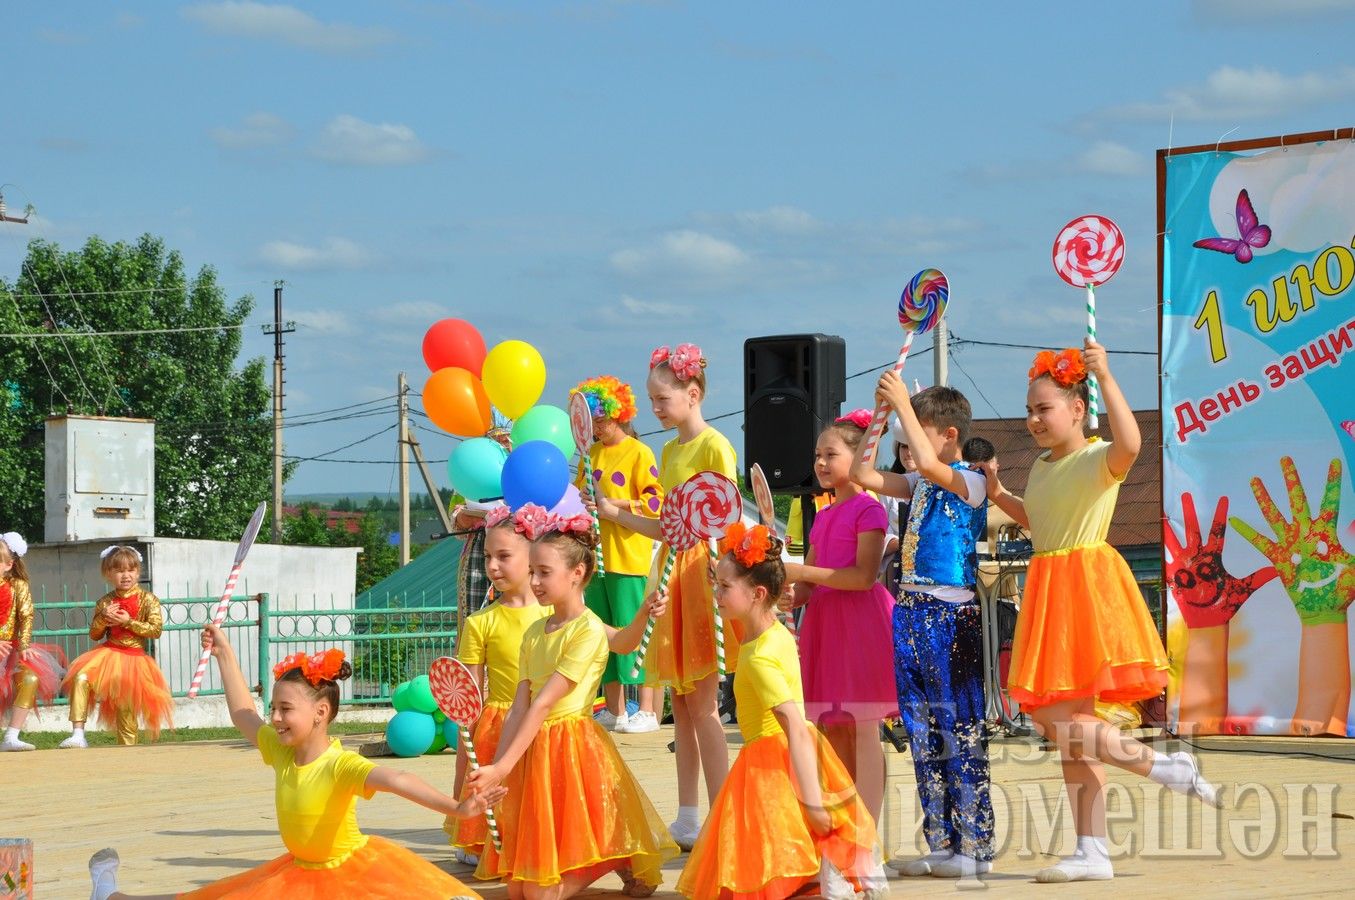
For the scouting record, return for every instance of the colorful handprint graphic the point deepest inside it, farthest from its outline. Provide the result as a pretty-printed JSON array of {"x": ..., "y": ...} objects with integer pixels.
[
  {"x": 1204, "y": 592},
  {"x": 1317, "y": 572}
]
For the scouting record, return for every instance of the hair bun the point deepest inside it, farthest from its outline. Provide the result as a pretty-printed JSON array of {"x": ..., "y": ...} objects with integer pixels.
[{"x": 345, "y": 671}]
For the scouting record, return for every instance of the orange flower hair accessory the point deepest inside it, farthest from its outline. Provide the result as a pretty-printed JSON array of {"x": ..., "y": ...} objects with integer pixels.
[
  {"x": 749, "y": 545},
  {"x": 1065, "y": 368},
  {"x": 322, "y": 666}
]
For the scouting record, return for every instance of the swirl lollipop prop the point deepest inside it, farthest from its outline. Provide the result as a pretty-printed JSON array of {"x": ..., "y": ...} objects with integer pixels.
[
  {"x": 581, "y": 425},
  {"x": 766, "y": 512},
  {"x": 711, "y": 503},
  {"x": 458, "y": 696},
  {"x": 1088, "y": 252},
  {"x": 676, "y": 538},
  {"x": 921, "y": 306}
]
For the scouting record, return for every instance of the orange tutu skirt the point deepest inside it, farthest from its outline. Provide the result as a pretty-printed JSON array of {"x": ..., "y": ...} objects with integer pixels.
[
  {"x": 574, "y": 806},
  {"x": 122, "y": 679},
  {"x": 379, "y": 869},
  {"x": 682, "y": 649},
  {"x": 1084, "y": 631},
  {"x": 472, "y": 834},
  {"x": 757, "y": 843}
]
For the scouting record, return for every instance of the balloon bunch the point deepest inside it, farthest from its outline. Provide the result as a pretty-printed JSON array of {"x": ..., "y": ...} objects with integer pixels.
[
  {"x": 527, "y": 464},
  {"x": 418, "y": 726}
]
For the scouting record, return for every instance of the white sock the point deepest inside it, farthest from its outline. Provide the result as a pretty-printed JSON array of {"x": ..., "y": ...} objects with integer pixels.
[
  {"x": 11, "y": 733},
  {"x": 103, "y": 873},
  {"x": 78, "y": 731},
  {"x": 688, "y": 817},
  {"x": 1166, "y": 770},
  {"x": 1092, "y": 847}
]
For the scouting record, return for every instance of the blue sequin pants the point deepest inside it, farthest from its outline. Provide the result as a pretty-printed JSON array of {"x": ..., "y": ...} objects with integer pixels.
[{"x": 938, "y": 668}]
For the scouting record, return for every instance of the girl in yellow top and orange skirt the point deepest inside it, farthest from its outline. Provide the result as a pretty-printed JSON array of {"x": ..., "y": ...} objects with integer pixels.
[
  {"x": 1084, "y": 632},
  {"x": 574, "y": 810},
  {"x": 318, "y": 784},
  {"x": 119, "y": 676},
  {"x": 788, "y": 814},
  {"x": 682, "y": 649},
  {"x": 489, "y": 645}
]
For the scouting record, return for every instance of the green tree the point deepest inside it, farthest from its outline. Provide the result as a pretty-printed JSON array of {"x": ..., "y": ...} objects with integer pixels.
[
  {"x": 213, "y": 438},
  {"x": 308, "y": 528}
]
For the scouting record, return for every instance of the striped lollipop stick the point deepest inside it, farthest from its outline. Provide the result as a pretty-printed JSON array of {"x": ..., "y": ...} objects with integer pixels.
[
  {"x": 587, "y": 459},
  {"x": 719, "y": 617},
  {"x": 669, "y": 559},
  {"x": 877, "y": 422},
  {"x": 581, "y": 427},
  {"x": 490, "y": 821},
  {"x": 766, "y": 511},
  {"x": 458, "y": 696},
  {"x": 222, "y": 605},
  {"x": 1093, "y": 389}
]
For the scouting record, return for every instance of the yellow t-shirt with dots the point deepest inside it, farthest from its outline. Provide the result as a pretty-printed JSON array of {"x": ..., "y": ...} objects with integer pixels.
[{"x": 626, "y": 472}]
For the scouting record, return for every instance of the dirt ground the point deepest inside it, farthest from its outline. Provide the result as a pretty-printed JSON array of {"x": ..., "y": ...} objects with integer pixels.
[{"x": 186, "y": 814}]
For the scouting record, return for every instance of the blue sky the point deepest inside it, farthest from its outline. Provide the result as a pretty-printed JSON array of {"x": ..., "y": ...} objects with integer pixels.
[{"x": 600, "y": 177}]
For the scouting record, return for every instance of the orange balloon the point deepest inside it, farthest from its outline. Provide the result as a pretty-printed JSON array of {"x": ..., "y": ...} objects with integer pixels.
[{"x": 456, "y": 402}]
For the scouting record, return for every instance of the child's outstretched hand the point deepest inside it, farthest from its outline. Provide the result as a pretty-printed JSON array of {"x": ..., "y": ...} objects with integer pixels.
[
  {"x": 214, "y": 639},
  {"x": 1316, "y": 570},
  {"x": 1095, "y": 358},
  {"x": 656, "y": 604},
  {"x": 478, "y": 801},
  {"x": 1203, "y": 590},
  {"x": 484, "y": 779},
  {"x": 892, "y": 390}
]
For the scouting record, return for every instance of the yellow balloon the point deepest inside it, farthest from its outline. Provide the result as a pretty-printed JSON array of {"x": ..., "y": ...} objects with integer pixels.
[{"x": 514, "y": 376}]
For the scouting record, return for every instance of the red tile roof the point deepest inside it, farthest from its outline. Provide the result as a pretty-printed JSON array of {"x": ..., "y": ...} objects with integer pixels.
[{"x": 1138, "y": 515}]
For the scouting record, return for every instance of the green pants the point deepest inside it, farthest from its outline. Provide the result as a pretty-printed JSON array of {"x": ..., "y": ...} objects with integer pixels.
[{"x": 616, "y": 599}]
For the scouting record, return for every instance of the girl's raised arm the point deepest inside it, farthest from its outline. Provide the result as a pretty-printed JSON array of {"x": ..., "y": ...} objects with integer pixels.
[{"x": 239, "y": 700}]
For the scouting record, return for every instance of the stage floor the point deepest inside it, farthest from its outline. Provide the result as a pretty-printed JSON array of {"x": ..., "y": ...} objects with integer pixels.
[{"x": 184, "y": 814}]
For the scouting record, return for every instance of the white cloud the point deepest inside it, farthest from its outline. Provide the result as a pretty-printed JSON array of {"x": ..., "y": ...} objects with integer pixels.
[
  {"x": 1110, "y": 158},
  {"x": 1306, "y": 196},
  {"x": 258, "y": 129},
  {"x": 336, "y": 253},
  {"x": 323, "y": 321},
  {"x": 424, "y": 311},
  {"x": 779, "y": 219},
  {"x": 351, "y": 141},
  {"x": 1231, "y": 93},
  {"x": 684, "y": 251},
  {"x": 655, "y": 308},
  {"x": 285, "y": 24}
]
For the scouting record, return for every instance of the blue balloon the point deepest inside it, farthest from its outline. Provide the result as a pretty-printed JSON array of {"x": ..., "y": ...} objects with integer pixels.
[
  {"x": 475, "y": 467},
  {"x": 451, "y": 733},
  {"x": 536, "y": 472},
  {"x": 410, "y": 733}
]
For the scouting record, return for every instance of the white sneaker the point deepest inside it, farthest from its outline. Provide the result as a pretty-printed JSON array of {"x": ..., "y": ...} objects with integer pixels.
[
  {"x": 960, "y": 866},
  {"x": 684, "y": 837},
  {"x": 609, "y": 721},
  {"x": 1076, "y": 868},
  {"x": 643, "y": 722},
  {"x": 920, "y": 866},
  {"x": 103, "y": 874},
  {"x": 74, "y": 742},
  {"x": 1197, "y": 786},
  {"x": 469, "y": 859},
  {"x": 14, "y": 745},
  {"x": 832, "y": 884}
]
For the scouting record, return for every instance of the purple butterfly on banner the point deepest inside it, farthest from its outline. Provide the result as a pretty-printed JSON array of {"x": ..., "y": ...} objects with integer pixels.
[{"x": 1252, "y": 233}]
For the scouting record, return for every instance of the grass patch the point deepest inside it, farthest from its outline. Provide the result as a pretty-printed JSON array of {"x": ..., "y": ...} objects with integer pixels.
[{"x": 48, "y": 740}]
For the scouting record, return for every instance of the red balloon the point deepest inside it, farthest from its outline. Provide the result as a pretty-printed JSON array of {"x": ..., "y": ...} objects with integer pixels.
[{"x": 454, "y": 343}]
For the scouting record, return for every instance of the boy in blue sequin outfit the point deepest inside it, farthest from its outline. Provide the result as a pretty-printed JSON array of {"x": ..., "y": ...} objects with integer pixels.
[{"x": 938, "y": 643}]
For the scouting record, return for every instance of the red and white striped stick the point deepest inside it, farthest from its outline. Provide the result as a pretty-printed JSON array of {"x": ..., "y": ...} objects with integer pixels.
[
  {"x": 877, "y": 424},
  {"x": 219, "y": 616},
  {"x": 766, "y": 511}
]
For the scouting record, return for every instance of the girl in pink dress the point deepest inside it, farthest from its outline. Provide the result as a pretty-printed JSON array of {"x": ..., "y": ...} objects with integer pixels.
[{"x": 846, "y": 657}]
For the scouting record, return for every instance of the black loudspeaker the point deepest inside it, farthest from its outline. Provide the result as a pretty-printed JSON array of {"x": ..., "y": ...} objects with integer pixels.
[{"x": 793, "y": 385}]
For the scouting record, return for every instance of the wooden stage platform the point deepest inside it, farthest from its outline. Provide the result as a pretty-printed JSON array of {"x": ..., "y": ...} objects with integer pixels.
[{"x": 184, "y": 814}]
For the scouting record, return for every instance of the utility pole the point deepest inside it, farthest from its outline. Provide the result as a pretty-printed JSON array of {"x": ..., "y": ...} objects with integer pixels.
[
  {"x": 5, "y": 217},
  {"x": 402, "y": 391},
  {"x": 278, "y": 329},
  {"x": 433, "y": 494},
  {"x": 940, "y": 353}
]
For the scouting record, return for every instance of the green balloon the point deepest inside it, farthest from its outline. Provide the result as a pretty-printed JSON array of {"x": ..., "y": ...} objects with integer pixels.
[
  {"x": 421, "y": 695},
  {"x": 439, "y": 716},
  {"x": 439, "y": 744},
  {"x": 545, "y": 423},
  {"x": 400, "y": 698}
]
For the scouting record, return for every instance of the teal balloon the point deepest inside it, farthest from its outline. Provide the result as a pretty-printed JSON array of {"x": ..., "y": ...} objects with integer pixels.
[
  {"x": 475, "y": 466},
  {"x": 545, "y": 423},
  {"x": 400, "y": 698},
  {"x": 439, "y": 743},
  {"x": 451, "y": 733},
  {"x": 421, "y": 696},
  {"x": 410, "y": 733}
]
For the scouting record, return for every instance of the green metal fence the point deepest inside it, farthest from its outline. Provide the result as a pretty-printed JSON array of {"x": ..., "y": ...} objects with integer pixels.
[{"x": 386, "y": 645}]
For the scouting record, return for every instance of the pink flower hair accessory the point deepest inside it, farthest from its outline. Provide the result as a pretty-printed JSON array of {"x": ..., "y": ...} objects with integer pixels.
[
  {"x": 532, "y": 521},
  {"x": 858, "y": 417},
  {"x": 579, "y": 523},
  {"x": 684, "y": 361},
  {"x": 497, "y": 515}
]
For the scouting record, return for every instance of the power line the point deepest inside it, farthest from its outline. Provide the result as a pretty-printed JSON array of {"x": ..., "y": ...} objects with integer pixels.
[
  {"x": 362, "y": 440},
  {"x": 956, "y": 340},
  {"x": 65, "y": 334}
]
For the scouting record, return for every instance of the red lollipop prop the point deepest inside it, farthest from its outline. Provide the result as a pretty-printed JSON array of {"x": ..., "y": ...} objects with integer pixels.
[
  {"x": 458, "y": 696},
  {"x": 1088, "y": 252},
  {"x": 711, "y": 503}
]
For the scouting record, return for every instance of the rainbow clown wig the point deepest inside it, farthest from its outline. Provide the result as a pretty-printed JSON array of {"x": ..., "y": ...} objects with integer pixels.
[{"x": 608, "y": 397}]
